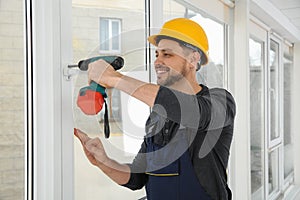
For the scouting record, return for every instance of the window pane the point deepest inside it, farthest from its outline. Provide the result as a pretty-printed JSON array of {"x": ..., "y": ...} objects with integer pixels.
[
  {"x": 11, "y": 100},
  {"x": 273, "y": 91},
  {"x": 273, "y": 182},
  {"x": 104, "y": 34},
  {"x": 257, "y": 118},
  {"x": 115, "y": 35},
  {"x": 212, "y": 74},
  {"x": 288, "y": 144},
  {"x": 119, "y": 21}
]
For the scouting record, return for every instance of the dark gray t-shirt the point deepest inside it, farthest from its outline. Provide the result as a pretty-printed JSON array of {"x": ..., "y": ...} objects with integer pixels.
[{"x": 207, "y": 120}]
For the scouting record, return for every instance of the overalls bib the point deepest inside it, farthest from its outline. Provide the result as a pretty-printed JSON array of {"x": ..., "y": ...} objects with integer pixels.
[{"x": 175, "y": 181}]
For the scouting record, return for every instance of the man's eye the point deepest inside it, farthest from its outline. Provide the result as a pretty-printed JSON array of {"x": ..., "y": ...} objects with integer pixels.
[{"x": 163, "y": 54}]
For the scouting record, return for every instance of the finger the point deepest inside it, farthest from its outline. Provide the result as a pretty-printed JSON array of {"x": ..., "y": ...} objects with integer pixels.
[{"x": 84, "y": 138}]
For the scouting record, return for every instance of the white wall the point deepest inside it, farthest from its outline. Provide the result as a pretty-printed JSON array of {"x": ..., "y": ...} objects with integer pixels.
[{"x": 240, "y": 156}]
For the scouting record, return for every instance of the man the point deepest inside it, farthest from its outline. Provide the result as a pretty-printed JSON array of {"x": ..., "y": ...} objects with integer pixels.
[{"x": 189, "y": 131}]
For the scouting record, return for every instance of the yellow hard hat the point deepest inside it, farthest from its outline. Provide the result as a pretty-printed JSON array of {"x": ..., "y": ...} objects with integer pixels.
[{"x": 185, "y": 30}]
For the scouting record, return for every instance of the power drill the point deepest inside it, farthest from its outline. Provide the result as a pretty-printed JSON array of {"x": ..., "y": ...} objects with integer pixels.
[{"x": 91, "y": 98}]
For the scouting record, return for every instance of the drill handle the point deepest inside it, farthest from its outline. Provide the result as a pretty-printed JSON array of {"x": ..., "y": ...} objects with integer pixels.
[{"x": 98, "y": 88}]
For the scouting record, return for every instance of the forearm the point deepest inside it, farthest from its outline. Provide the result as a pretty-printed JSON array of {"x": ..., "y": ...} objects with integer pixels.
[
  {"x": 119, "y": 173},
  {"x": 145, "y": 92}
]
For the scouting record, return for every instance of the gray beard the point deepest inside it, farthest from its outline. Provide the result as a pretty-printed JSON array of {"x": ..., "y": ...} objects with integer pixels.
[
  {"x": 171, "y": 80},
  {"x": 174, "y": 78}
]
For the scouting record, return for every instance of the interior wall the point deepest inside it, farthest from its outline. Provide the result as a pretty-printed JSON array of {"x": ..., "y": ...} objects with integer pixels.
[{"x": 240, "y": 152}]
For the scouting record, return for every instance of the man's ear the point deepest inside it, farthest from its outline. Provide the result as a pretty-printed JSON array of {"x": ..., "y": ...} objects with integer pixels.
[{"x": 195, "y": 58}]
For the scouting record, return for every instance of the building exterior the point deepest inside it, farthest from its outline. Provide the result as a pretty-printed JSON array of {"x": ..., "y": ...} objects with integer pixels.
[{"x": 254, "y": 53}]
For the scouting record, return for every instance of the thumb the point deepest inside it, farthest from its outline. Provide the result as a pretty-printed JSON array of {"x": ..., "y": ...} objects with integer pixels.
[{"x": 83, "y": 137}]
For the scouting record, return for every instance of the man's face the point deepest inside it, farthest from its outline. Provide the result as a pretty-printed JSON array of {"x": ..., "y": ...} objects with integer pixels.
[{"x": 170, "y": 64}]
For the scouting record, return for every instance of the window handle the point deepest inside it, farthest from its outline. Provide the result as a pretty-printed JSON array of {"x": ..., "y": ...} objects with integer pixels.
[{"x": 69, "y": 71}]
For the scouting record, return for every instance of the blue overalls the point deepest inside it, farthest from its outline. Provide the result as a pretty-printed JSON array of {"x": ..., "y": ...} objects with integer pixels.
[{"x": 175, "y": 181}]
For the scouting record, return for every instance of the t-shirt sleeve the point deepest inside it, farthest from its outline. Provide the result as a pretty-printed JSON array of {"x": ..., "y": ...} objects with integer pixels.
[
  {"x": 212, "y": 110},
  {"x": 222, "y": 108},
  {"x": 137, "y": 181}
]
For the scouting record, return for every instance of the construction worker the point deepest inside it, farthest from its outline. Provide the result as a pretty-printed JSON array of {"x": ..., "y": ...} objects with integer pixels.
[{"x": 189, "y": 131}]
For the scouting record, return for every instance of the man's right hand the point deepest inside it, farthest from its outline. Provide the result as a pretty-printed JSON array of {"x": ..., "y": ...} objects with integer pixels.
[
  {"x": 92, "y": 147},
  {"x": 94, "y": 151}
]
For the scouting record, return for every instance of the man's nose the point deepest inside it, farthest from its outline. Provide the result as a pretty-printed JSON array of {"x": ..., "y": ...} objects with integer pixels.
[{"x": 158, "y": 60}]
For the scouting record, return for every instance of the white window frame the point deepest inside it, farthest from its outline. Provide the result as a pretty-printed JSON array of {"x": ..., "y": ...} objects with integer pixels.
[
  {"x": 259, "y": 31},
  {"x": 28, "y": 110},
  {"x": 110, "y": 36},
  {"x": 52, "y": 127},
  {"x": 276, "y": 144},
  {"x": 272, "y": 143},
  {"x": 275, "y": 194}
]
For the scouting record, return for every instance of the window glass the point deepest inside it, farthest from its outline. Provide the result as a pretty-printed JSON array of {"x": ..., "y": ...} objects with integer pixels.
[
  {"x": 257, "y": 117},
  {"x": 122, "y": 27},
  {"x": 274, "y": 89},
  {"x": 115, "y": 35},
  {"x": 110, "y": 35},
  {"x": 212, "y": 74},
  {"x": 104, "y": 35},
  {"x": 101, "y": 28},
  {"x": 288, "y": 140},
  {"x": 11, "y": 100},
  {"x": 273, "y": 180}
]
